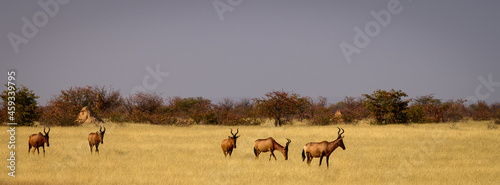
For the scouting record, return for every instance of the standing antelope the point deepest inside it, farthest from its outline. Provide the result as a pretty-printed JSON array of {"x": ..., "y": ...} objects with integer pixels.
[
  {"x": 96, "y": 138},
  {"x": 38, "y": 140},
  {"x": 321, "y": 149},
  {"x": 269, "y": 145},
  {"x": 229, "y": 143}
]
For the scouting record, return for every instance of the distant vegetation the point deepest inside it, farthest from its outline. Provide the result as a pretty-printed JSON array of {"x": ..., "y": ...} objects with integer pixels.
[
  {"x": 382, "y": 107},
  {"x": 23, "y": 108}
]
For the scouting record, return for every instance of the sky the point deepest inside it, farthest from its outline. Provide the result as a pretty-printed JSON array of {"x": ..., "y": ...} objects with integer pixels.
[{"x": 243, "y": 48}]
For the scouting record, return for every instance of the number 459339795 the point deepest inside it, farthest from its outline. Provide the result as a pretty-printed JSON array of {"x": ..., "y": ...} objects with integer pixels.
[{"x": 11, "y": 92}]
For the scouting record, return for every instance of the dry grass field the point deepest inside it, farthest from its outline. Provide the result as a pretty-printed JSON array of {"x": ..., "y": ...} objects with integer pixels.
[{"x": 151, "y": 154}]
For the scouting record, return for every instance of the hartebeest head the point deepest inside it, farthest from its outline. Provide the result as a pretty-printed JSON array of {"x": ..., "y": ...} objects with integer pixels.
[
  {"x": 102, "y": 133},
  {"x": 46, "y": 135},
  {"x": 234, "y": 137},
  {"x": 341, "y": 138}
]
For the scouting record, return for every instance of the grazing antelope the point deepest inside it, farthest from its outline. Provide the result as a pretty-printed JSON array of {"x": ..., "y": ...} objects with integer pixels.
[
  {"x": 269, "y": 145},
  {"x": 229, "y": 143},
  {"x": 322, "y": 149},
  {"x": 38, "y": 140},
  {"x": 96, "y": 138}
]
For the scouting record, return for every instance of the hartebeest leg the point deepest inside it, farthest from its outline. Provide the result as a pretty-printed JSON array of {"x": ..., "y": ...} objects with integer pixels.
[
  {"x": 29, "y": 149},
  {"x": 43, "y": 146},
  {"x": 272, "y": 154},
  {"x": 38, "y": 150},
  {"x": 257, "y": 153},
  {"x": 309, "y": 158},
  {"x": 97, "y": 149},
  {"x": 320, "y": 159},
  {"x": 327, "y": 165}
]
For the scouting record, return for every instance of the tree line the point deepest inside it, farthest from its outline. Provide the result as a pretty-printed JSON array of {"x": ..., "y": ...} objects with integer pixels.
[{"x": 381, "y": 107}]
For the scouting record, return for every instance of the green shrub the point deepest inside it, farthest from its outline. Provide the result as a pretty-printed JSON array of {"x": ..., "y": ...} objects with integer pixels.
[{"x": 25, "y": 106}]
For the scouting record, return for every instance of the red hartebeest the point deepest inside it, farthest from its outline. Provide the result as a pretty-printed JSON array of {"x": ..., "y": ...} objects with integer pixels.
[
  {"x": 229, "y": 143},
  {"x": 322, "y": 149},
  {"x": 96, "y": 138},
  {"x": 269, "y": 145},
  {"x": 38, "y": 140}
]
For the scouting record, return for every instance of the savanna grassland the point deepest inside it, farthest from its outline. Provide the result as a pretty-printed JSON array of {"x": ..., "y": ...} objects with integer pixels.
[{"x": 152, "y": 154}]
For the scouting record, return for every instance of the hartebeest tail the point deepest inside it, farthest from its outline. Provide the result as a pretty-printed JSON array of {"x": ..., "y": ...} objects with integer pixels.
[
  {"x": 96, "y": 138},
  {"x": 269, "y": 145},
  {"x": 322, "y": 149},
  {"x": 38, "y": 140},
  {"x": 303, "y": 154},
  {"x": 229, "y": 144}
]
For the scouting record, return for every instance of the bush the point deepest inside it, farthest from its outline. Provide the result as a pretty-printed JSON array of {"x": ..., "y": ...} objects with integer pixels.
[
  {"x": 108, "y": 102},
  {"x": 495, "y": 111},
  {"x": 387, "y": 107},
  {"x": 323, "y": 116},
  {"x": 353, "y": 109},
  {"x": 142, "y": 107},
  {"x": 453, "y": 111},
  {"x": 25, "y": 106},
  {"x": 426, "y": 109},
  {"x": 416, "y": 114},
  {"x": 480, "y": 111},
  {"x": 61, "y": 113},
  {"x": 3, "y": 114},
  {"x": 64, "y": 108},
  {"x": 119, "y": 115},
  {"x": 278, "y": 105}
]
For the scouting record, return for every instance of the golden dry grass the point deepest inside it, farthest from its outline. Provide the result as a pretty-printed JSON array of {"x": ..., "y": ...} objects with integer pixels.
[{"x": 151, "y": 154}]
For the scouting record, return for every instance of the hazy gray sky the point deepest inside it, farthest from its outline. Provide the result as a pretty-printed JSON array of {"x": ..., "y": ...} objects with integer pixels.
[{"x": 448, "y": 48}]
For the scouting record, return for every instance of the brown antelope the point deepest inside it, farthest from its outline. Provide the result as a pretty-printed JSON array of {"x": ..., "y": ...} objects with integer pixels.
[
  {"x": 96, "y": 138},
  {"x": 322, "y": 149},
  {"x": 229, "y": 143},
  {"x": 38, "y": 140},
  {"x": 269, "y": 145}
]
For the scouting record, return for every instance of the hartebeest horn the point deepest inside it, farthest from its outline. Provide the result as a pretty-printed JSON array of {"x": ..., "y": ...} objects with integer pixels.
[
  {"x": 44, "y": 130},
  {"x": 287, "y": 143},
  {"x": 340, "y": 134},
  {"x": 234, "y": 135},
  {"x": 102, "y": 130}
]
